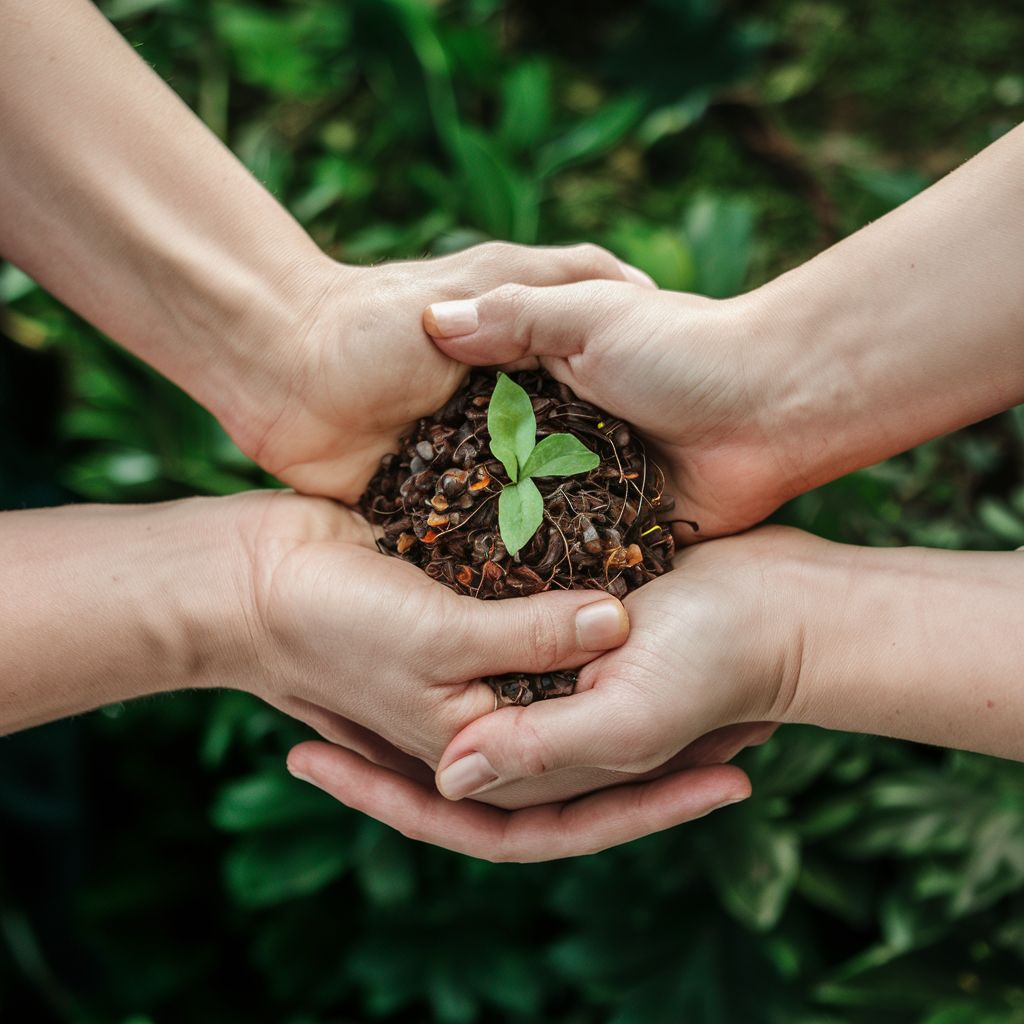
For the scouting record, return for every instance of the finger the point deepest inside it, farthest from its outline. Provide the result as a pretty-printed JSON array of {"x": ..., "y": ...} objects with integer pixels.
[
  {"x": 540, "y": 633},
  {"x": 717, "y": 747},
  {"x": 515, "y": 322},
  {"x": 495, "y": 263},
  {"x": 586, "y": 730},
  {"x": 551, "y": 831},
  {"x": 341, "y": 731}
]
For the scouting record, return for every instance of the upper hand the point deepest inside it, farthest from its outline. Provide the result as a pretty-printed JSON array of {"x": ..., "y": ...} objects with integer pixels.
[
  {"x": 714, "y": 644},
  {"x": 360, "y": 369},
  {"x": 685, "y": 370}
]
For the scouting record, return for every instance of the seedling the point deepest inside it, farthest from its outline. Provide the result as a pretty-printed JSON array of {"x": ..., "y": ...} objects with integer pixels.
[{"x": 513, "y": 429}]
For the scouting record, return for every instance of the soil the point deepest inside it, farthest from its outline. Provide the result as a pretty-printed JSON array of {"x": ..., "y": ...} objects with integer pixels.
[{"x": 436, "y": 501}]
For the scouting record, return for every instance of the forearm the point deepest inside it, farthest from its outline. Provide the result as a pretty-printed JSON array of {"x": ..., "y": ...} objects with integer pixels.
[
  {"x": 101, "y": 604},
  {"x": 921, "y": 644},
  {"x": 910, "y": 328},
  {"x": 118, "y": 200}
]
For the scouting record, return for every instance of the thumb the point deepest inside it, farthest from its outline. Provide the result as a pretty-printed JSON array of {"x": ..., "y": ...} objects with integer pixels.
[
  {"x": 584, "y": 730},
  {"x": 514, "y": 321},
  {"x": 541, "y": 633}
]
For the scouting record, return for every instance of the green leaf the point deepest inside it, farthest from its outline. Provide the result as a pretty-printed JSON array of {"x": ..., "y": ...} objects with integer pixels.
[
  {"x": 592, "y": 136},
  {"x": 526, "y": 109},
  {"x": 720, "y": 232},
  {"x": 271, "y": 799},
  {"x": 756, "y": 871},
  {"x": 499, "y": 199},
  {"x": 520, "y": 512},
  {"x": 512, "y": 425},
  {"x": 559, "y": 455},
  {"x": 269, "y": 868}
]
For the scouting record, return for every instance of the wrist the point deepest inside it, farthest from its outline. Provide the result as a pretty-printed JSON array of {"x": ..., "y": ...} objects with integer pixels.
[
  {"x": 809, "y": 360},
  {"x": 259, "y": 340},
  {"x": 803, "y": 580}
]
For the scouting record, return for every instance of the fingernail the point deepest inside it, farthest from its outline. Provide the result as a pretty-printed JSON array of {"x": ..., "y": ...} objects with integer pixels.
[
  {"x": 601, "y": 626},
  {"x": 451, "y": 319},
  {"x": 634, "y": 275},
  {"x": 302, "y": 778},
  {"x": 465, "y": 776}
]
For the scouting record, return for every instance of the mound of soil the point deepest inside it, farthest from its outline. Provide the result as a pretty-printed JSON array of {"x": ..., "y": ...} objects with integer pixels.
[{"x": 436, "y": 501}]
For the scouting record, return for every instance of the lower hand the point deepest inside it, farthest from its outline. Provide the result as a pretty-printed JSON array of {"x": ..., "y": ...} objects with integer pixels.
[
  {"x": 697, "y": 782},
  {"x": 710, "y": 646},
  {"x": 709, "y": 649}
]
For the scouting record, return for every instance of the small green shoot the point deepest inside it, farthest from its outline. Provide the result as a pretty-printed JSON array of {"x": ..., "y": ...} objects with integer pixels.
[{"x": 513, "y": 429}]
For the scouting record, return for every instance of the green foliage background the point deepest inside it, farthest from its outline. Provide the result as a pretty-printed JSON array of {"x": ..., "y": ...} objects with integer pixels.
[{"x": 158, "y": 865}]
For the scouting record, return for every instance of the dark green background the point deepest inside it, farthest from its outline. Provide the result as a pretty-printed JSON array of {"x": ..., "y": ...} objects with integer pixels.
[{"x": 158, "y": 865}]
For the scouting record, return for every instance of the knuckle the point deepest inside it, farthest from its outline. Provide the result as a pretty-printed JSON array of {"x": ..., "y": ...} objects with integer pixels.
[
  {"x": 506, "y": 849},
  {"x": 492, "y": 251},
  {"x": 510, "y": 295},
  {"x": 545, "y": 638},
  {"x": 590, "y": 260},
  {"x": 511, "y": 851},
  {"x": 417, "y": 828}
]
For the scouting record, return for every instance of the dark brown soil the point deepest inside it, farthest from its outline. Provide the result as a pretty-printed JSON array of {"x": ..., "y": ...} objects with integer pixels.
[{"x": 437, "y": 502}]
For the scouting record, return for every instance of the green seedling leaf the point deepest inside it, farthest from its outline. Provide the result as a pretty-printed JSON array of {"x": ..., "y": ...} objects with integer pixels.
[
  {"x": 512, "y": 425},
  {"x": 559, "y": 455},
  {"x": 520, "y": 512}
]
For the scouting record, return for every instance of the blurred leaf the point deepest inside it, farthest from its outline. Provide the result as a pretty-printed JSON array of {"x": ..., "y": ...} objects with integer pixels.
[
  {"x": 278, "y": 50},
  {"x": 1006, "y": 525},
  {"x": 720, "y": 232},
  {"x": 120, "y": 10},
  {"x": 526, "y": 107},
  {"x": 660, "y": 252},
  {"x": 269, "y": 800},
  {"x": 891, "y": 187},
  {"x": 384, "y": 864},
  {"x": 756, "y": 871},
  {"x": 590, "y": 137},
  {"x": 264, "y": 869},
  {"x": 501, "y": 201},
  {"x": 671, "y": 120},
  {"x": 14, "y": 283}
]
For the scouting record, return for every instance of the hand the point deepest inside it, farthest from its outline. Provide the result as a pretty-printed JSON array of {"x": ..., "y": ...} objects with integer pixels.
[
  {"x": 358, "y": 370},
  {"x": 397, "y": 794},
  {"x": 635, "y": 727},
  {"x": 713, "y": 644},
  {"x": 682, "y": 369},
  {"x": 366, "y": 648}
]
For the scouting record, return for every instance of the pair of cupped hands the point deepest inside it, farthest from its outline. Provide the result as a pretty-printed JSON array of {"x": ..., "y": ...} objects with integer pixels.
[{"x": 385, "y": 664}]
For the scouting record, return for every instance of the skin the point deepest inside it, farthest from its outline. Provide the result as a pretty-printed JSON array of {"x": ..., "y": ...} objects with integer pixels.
[
  {"x": 285, "y": 596},
  {"x": 773, "y": 624},
  {"x": 121, "y": 203},
  {"x": 277, "y": 594},
  {"x": 910, "y": 328},
  {"x": 904, "y": 331}
]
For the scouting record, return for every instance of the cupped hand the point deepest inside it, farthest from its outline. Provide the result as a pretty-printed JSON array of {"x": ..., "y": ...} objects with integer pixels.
[
  {"x": 396, "y": 792},
  {"x": 713, "y": 644},
  {"x": 370, "y": 651},
  {"x": 360, "y": 371},
  {"x": 688, "y": 372}
]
